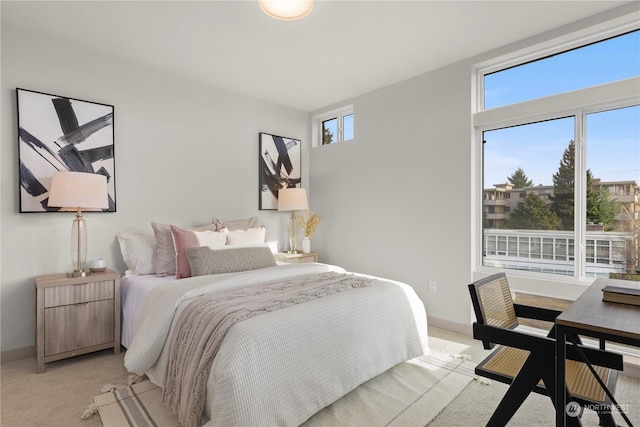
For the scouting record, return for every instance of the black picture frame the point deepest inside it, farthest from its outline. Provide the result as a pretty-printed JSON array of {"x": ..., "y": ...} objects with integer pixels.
[
  {"x": 57, "y": 133},
  {"x": 279, "y": 167}
]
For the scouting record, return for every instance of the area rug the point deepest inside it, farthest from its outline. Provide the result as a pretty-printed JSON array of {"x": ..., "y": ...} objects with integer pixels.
[
  {"x": 137, "y": 405},
  {"x": 475, "y": 404},
  {"x": 409, "y": 394}
]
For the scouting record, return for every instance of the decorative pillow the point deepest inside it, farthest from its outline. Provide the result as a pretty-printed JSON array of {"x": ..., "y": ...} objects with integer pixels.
[
  {"x": 138, "y": 252},
  {"x": 250, "y": 236},
  {"x": 236, "y": 224},
  {"x": 211, "y": 260},
  {"x": 184, "y": 238},
  {"x": 165, "y": 250}
]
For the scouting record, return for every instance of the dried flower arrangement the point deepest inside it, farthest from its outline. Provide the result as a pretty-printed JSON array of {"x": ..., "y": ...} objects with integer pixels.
[{"x": 309, "y": 222}]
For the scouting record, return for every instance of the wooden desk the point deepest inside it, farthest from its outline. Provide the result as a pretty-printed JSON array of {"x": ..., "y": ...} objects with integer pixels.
[{"x": 591, "y": 316}]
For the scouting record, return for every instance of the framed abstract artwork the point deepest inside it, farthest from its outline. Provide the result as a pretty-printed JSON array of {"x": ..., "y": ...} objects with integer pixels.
[
  {"x": 279, "y": 163},
  {"x": 56, "y": 133}
]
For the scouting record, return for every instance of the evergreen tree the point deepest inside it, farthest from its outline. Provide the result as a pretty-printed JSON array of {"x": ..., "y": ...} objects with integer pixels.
[
  {"x": 601, "y": 208},
  {"x": 563, "y": 196},
  {"x": 327, "y": 136},
  {"x": 533, "y": 214},
  {"x": 519, "y": 179}
]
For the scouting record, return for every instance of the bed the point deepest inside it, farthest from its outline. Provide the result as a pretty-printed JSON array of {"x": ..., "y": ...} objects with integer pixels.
[
  {"x": 297, "y": 337},
  {"x": 281, "y": 367},
  {"x": 133, "y": 291}
]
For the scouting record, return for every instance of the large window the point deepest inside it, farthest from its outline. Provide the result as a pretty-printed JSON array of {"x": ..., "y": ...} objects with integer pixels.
[{"x": 561, "y": 161}]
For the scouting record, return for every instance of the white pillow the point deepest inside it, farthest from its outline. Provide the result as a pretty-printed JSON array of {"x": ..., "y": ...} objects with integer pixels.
[
  {"x": 250, "y": 236},
  {"x": 138, "y": 252}
]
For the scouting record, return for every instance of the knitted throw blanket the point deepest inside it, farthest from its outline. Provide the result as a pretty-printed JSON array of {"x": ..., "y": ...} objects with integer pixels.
[{"x": 204, "y": 322}]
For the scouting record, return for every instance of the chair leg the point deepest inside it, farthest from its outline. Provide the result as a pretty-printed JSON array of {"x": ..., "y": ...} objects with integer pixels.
[
  {"x": 549, "y": 379},
  {"x": 606, "y": 417},
  {"x": 518, "y": 391}
]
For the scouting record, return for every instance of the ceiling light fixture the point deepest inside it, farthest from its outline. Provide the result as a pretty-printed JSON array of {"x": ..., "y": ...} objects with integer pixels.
[{"x": 286, "y": 10}]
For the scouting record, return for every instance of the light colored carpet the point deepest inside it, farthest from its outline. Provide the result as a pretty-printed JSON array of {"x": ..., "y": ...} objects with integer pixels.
[
  {"x": 59, "y": 396},
  {"x": 477, "y": 402}
]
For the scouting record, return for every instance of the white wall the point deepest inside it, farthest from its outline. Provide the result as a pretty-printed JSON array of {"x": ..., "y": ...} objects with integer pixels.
[
  {"x": 396, "y": 199},
  {"x": 185, "y": 152},
  {"x": 399, "y": 200}
]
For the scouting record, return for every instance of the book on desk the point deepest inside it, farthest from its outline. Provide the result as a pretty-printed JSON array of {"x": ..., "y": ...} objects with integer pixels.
[{"x": 622, "y": 294}]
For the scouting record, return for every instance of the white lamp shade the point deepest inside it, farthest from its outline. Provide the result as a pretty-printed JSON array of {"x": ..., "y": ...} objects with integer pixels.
[
  {"x": 286, "y": 10},
  {"x": 292, "y": 199},
  {"x": 75, "y": 190}
]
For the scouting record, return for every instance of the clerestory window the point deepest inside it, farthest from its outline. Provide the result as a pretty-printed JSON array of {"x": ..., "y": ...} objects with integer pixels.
[{"x": 334, "y": 126}]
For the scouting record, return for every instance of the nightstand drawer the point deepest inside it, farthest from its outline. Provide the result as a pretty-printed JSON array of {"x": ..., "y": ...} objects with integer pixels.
[
  {"x": 72, "y": 327},
  {"x": 78, "y": 293},
  {"x": 76, "y": 315}
]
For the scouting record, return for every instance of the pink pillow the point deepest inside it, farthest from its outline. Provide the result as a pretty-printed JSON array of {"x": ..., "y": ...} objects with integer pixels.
[
  {"x": 183, "y": 238},
  {"x": 166, "y": 249}
]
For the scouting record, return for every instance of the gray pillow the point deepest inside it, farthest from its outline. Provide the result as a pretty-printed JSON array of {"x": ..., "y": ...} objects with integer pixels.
[{"x": 215, "y": 260}]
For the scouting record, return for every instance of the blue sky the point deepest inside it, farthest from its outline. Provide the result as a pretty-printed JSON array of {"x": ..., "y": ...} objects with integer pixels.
[{"x": 613, "y": 137}]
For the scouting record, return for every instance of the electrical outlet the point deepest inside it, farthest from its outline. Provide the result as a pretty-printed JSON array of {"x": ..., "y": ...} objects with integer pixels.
[{"x": 433, "y": 286}]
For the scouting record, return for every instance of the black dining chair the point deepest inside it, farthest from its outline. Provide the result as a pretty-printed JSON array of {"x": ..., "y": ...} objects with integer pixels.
[{"x": 527, "y": 361}]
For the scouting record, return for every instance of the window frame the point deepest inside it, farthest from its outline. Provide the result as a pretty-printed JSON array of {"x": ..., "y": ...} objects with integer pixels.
[
  {"x": 339, "y": 114},
  {"x": 577, "y": 104}
]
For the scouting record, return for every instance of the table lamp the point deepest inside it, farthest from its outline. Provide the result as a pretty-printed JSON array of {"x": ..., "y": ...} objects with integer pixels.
[
  {"x": 292, "y": 199},
  {"x": 78, "y": 191}
]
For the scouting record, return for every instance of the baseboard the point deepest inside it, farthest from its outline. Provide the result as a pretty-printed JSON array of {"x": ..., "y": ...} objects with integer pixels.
[
  {"x": 18, "y": 353},
  {"x": 450, "y": 326}
]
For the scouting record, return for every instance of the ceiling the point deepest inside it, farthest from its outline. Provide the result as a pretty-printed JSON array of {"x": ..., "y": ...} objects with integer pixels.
[{"x": 343, "y": 49}]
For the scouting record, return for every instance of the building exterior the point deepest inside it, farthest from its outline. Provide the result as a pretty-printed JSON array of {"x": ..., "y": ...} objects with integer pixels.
[
  {"x": 627, "y": 193},
  {"x": 614, "y": 251},
  {"x": 553, "y": 251}
]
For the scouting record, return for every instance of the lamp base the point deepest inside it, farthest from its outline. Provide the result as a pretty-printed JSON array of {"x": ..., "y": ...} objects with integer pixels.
[
  {"x": 79, "y": 273},
  {"x": 294, "y": 251}
]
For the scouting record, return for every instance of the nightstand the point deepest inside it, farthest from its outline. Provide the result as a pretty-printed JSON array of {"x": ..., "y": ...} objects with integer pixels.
[
  {"x": 76, "y": 315},
  {"x": 296, "y": 258}
]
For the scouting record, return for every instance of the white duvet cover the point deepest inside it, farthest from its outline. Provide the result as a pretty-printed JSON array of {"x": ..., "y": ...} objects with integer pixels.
[
  {"x": 282, "y": 367},
  {"x": 133, "y": 292}
]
